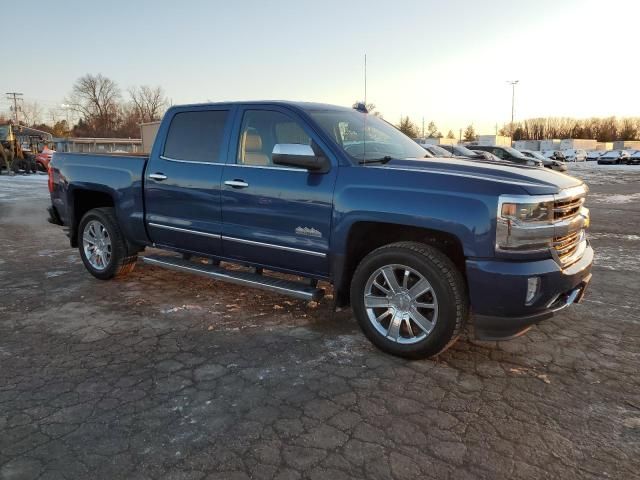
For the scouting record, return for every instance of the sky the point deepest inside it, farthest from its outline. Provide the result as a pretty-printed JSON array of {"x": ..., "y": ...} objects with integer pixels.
[{"x": 444, "y": 61}]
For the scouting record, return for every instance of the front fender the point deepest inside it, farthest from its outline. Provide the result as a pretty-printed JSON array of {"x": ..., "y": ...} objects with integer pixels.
[{"x": 466, "y": 214}]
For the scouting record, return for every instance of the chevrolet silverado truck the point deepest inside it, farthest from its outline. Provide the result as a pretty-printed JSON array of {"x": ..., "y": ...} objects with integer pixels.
[{"x": 417, "y": 246}]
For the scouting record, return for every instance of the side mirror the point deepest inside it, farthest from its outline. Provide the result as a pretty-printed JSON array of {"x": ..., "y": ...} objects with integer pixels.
[{"x": 301, "y": 156}]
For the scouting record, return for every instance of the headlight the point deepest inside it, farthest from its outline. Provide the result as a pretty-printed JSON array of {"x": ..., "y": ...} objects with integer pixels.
[
  {"x": 542, "y": 225},
  {"x": 525, "y": 224}
]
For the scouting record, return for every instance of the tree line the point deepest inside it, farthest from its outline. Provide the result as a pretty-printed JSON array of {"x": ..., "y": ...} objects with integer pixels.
[
  {"x": 606, "y": 129},
  {"x": 411, "y": 129},
  {"x": 101, "y": 109}
]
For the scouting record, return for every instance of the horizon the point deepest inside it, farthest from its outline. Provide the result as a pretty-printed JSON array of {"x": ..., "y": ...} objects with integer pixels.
[{"x": 425, "y": 60}]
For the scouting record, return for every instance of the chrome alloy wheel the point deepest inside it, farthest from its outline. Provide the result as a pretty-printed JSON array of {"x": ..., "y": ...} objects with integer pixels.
[
  {"x": 96, "y": 244},
  {"x": 401, "y": 304}
]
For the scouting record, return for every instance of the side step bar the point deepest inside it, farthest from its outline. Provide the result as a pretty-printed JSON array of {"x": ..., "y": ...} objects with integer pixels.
[{"x": 247, "y": 279}]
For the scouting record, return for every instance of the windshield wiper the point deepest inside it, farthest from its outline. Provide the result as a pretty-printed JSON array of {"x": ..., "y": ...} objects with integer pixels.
[{"x": 382, "y": 160}]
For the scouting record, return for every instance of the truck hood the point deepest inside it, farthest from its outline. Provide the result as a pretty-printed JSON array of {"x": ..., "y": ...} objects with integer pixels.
[{"x": 534, "y": 180}]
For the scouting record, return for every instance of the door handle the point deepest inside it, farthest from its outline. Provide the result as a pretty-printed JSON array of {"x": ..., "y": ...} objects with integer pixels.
[
  {"x": 237, "y": 183},
  {"x": 158, "y": 176}
]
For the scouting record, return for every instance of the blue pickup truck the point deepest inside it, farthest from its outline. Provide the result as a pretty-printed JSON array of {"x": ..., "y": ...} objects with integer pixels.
[{"x": 417, "y": 246}]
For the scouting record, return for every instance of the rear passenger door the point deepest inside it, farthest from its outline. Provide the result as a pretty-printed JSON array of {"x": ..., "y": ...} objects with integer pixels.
[{"x": 182, "y": 180}]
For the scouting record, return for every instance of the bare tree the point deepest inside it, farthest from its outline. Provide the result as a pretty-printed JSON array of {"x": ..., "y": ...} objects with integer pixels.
[
  {"x": 96, "y": 98},
  {"x": 31, "y": 113},
  {"x": 149, "y": 103},
  {"x": 432, "y": 130}
]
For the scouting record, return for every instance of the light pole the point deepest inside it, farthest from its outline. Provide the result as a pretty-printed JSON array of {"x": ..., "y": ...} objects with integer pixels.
[{"x": 513, "y": 84}]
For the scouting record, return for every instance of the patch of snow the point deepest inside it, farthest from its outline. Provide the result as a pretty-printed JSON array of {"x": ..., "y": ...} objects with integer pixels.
[
  {"x": 55, "y": 273},
  {"x": 619, "y": 258},
  {"x": 183, "y": 307},
  {"x": 614, "y": 198}
]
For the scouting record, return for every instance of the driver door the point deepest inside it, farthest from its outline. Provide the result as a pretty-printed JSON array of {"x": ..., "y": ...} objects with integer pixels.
[{"x": 275, "y": 216}]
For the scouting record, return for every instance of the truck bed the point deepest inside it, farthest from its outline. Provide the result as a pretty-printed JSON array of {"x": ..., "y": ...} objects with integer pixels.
[{"x": 115, "y": 176}]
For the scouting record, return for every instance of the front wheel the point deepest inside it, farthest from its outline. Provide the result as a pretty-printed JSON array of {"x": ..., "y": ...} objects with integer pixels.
[
  {"x": 409, "y": 299},
  {"x": 103, "y": 248}
]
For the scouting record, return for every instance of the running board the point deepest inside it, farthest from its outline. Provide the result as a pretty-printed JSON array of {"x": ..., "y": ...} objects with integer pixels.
[{"x": 247, "y": 279}]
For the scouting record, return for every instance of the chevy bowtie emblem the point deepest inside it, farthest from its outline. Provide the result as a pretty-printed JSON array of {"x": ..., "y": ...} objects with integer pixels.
[{"x": 309, "y": 232}]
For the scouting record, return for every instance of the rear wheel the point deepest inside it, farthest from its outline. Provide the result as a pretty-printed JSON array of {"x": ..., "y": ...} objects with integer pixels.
[
  {"x": 103, "y": 248},
  {"x": 409, "y": 299}
]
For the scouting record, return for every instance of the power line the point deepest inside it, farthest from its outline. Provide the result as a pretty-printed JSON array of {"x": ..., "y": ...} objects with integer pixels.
[{"x": 15, "y": 96}]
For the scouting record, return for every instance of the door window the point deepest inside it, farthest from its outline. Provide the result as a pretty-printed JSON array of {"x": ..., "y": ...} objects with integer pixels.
[
  {"x": 261, "y": 130},
  {"x": 196, "y": 136},
  {"x": 498, "y": 152}
]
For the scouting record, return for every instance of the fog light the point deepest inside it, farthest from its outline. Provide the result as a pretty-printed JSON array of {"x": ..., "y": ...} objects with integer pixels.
[{"x": 533, "y": 285}]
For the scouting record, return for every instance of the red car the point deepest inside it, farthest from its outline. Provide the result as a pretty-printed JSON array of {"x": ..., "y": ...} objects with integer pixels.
[{"x": 43, "y": 158}]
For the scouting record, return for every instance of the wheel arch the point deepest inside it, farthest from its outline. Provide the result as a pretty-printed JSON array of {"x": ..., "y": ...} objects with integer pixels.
[
  {"x": 366, "y": 236},
  {"x": 84, "y": 200}
]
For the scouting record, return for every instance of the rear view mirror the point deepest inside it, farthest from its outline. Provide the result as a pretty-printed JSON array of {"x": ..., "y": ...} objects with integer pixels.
[{"x": 298, "y": 155}]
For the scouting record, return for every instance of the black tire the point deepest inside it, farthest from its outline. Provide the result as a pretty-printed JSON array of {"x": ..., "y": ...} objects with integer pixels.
[
  {"x": 446, "y": 281},
  {"x": 123, "y": 259},
  {"x": 15, "y": 165}
]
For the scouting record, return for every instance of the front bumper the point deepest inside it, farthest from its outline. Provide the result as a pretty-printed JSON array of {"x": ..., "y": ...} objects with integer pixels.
[{"x": 497, "y": 291}]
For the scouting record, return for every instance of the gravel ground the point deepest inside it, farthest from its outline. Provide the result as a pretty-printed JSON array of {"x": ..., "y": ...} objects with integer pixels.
[{"x": 165, "y": 375}]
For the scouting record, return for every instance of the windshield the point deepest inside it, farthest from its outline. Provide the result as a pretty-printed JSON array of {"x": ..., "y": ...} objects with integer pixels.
[
  {"x": 438, "y": 151},
  {"x": 4, "y": 132},
  {"x": 514, "y": 152},
  {"x": 537, "y": 155},
  {"x": 461, "y": 150},
  {"x": 366, "y": 137}
]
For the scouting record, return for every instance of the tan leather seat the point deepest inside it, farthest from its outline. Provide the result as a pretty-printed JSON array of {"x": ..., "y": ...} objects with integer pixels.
[{"x": 251, "y": 151}]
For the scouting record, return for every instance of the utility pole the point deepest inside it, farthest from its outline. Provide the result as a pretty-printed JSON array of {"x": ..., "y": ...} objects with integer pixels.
[
  {"x": 513, "y": 84},
  {"x": 460, "y": 141},
  {"x": 15, "y": 97},
  {"x": 422, "y": 127},
  {"x": 365, "y": 80}
]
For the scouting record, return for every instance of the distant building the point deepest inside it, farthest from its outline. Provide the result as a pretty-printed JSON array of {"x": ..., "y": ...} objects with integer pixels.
[
  {"x": 497, "y": 140},
  {"x": 437, "y": 141},
  {"x": 604, "y": 146},
  {"x": 527, "y": 145},
  {"x": 98, "y": 145},
  {"x": 550, "y": 144},
  {"x": 626, "y": 145},
  {"x": 578, "y": 144}
]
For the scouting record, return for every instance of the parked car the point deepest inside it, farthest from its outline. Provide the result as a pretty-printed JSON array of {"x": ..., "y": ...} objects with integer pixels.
[
  {"x": 574, "y": 155},
  {"x": 487, "y": 155},
  {"x": 510, "y": 155},
  {"x": 436, "y": 150},
  {"x": 44, "y": 158},
  {"x": 554, "y": 155},
  {"x": 462, "y": 151},
  {"x": 413, "y": 245},
  {"x": 613, "y": 157},
  {"x": 634, "y": 158},
  {"x": 547, "y": 162},
  {"x": 594, "y": 155}
]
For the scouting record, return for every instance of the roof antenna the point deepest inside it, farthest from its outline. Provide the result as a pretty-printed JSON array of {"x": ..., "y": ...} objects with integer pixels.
[{"x": 364, "y": 126}]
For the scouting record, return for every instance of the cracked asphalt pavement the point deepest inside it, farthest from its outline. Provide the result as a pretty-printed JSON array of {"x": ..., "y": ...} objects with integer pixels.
[{"x": 166, "y": 375}]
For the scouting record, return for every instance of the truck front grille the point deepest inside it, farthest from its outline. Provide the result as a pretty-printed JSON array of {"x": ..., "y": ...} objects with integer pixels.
[
  {"x": 567, "y": 208},
  {"x": 567, "y": 246}
]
